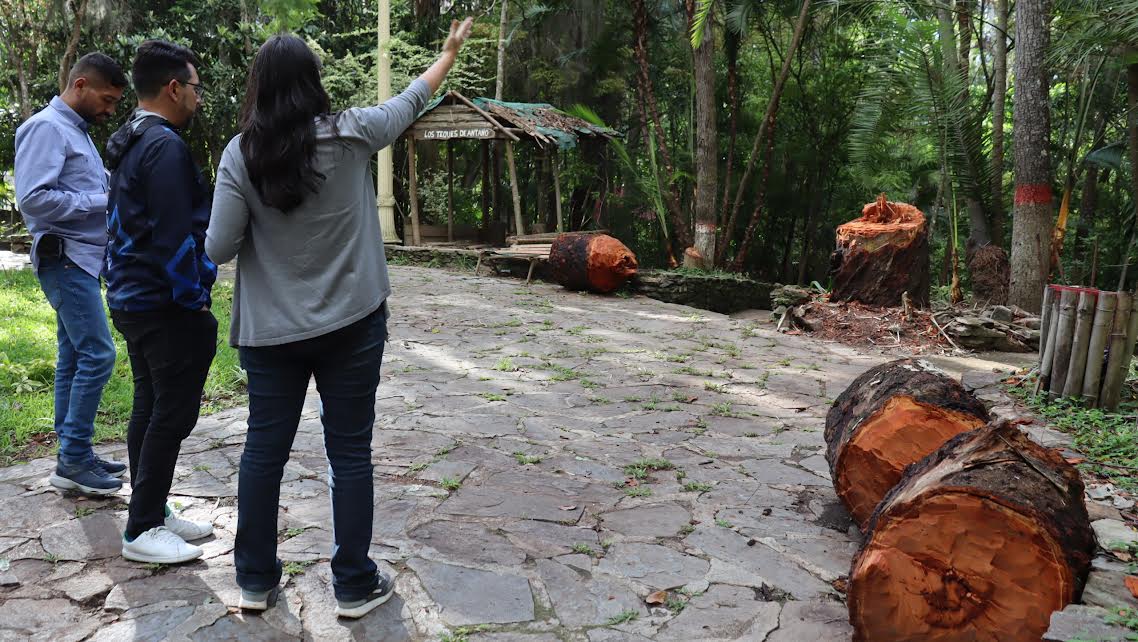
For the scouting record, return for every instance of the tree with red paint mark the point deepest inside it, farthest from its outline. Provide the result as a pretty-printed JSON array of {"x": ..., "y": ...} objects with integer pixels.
[{"x": 1031, "y": 225}]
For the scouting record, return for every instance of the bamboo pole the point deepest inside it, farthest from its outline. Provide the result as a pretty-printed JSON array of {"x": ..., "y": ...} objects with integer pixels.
[
  {"x": 521, "y": 226},
  {"x": 1118, "y": 358},
  {"x": 450, "y": 190},
  {"x": 1084, "y": 319},
  {"x": 1131, "y": 335},
  {"x": 413, "y": 192},
  {"x": 485, "y": 187},
  {"x": 1045, "y": 324},
  {"x": 557, "y": 191},
  {"x": 1043, "y": 384},
  {"x": 1068, "y": 299},
  {"x": 1100, "y": 333}
]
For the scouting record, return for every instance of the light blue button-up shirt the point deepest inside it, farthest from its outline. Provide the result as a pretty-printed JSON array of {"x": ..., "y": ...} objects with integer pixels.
[{"x": 61, "y": 185}]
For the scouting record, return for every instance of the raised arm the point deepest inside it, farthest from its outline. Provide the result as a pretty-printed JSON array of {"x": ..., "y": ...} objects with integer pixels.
[{"x": 382, "y": 124}]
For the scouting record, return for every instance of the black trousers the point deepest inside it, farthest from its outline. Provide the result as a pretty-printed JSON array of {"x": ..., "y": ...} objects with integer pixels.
[{"x": 170, "y": 353}]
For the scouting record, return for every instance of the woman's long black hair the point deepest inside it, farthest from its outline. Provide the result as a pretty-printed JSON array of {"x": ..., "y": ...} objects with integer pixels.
[{"x": 283, "y": 99}]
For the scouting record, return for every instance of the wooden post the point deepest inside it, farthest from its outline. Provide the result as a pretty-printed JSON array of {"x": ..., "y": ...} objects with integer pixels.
[
  {"x": 1068, "y": 299},
  {"x": 557, "y": 191},
  {"x": 450, "y": 191},
  {"x": 485, "y": 186},
  {"x": 1084, "y": 319},
  {"x": 1131, "y": 335},
  {"x": 1100, "y": 333},
  {"x": 1045, "y": 324},
  {"x": 1043, "y": 384},
  {"x": 1118, "y": 359},
  {"x": 413, "y": 192},
  {"x": 542, "y": 196},
  {"x": 521, "y": 226}
]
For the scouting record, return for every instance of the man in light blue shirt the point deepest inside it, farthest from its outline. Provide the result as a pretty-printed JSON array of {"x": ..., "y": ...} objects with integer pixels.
[{"x": 61, "y": 190}]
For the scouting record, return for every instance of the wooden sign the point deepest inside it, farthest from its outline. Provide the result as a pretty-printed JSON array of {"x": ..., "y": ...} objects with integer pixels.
[{"x": 447, "y": 134}]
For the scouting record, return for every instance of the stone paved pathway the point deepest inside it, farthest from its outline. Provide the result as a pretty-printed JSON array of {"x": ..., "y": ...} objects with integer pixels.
[{"x": 510, "y": 420}]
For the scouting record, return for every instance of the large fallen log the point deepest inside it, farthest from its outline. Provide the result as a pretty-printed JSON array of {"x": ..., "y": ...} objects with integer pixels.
[
  {"x": 888, "y": 418},
  {"x": 882, "y": 255},
  {"x": 595, "y": 262},
  {"x": 982, "y": 540}
]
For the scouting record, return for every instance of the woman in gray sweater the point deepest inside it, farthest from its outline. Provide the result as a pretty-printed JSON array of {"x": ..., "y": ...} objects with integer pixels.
[{"x": 295, "y": 204}]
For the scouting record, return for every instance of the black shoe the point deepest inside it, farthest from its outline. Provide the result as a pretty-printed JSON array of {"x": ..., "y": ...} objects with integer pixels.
[
  {"x": 358, "y": 608},
  {"x": 113, "y": 468},
  {"x": 88, "y": 480}
]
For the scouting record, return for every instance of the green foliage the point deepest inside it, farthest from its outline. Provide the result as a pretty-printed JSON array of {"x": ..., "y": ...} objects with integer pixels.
[
  {"x": 1108, "y": 438},
  {"x": 27, "y": 370}
]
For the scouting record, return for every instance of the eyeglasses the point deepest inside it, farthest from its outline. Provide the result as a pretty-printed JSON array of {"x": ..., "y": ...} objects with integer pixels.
[{"x": 198, "y": 88}]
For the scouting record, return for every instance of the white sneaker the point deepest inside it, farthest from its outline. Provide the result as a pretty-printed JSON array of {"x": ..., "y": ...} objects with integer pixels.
[
  {"x": 159, "y": 545},
  {"x": 186, "y": 529}
]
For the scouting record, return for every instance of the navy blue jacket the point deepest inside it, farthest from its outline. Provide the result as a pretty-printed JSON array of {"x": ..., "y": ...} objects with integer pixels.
[{"x": 158, "y": 211}]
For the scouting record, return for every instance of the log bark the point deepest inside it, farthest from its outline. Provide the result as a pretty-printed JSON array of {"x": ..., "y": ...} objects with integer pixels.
[
  {"x": 1096, "y": 349},
  {"x": 982, "y": 540},
  {"x": 882, "y": 255},
  {"x": 595, "y": 262},
  {"x": 888, "y": 418}
]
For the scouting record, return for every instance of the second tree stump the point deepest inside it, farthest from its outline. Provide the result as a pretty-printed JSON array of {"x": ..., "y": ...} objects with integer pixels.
[
  {"x": 890, "y": 417},
  {"x": 595, "y": 262},
  {"x": 982, "y": 541}
]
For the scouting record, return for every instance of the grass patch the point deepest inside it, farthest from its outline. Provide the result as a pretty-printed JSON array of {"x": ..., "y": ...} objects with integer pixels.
[
  {"x": 584, "y": 549},
  {"x": 492, "y": 396},
  {"x": 641, "y": 468},
  {"x": 27, "y": 370},
  {"x": 295, "y": 568},
  {"x": 1103, "y": 437},
  {"x": 697, "y": 487},
  {"x": 638, "y": 491},
  {"x": 526, "y": 460},
  {"x": 622, "y": 618},
  {"x": 450, "y": 483}
]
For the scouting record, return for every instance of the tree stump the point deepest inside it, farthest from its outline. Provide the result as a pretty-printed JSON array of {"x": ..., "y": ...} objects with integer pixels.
[
  {"x": 888, "y": 418},
  {"x": 982, "y": 540},
  {"x": 882, "y": 255},
  {"x": 595, "y": 262}
]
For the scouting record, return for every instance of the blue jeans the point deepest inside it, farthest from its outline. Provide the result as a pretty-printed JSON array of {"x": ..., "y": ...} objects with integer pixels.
[
  {"x": 86, "y": 355},
  {"x": 346, "y": 365}
]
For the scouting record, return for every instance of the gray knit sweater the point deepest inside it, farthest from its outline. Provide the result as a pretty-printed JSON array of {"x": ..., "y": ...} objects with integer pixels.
[{"x": 320, "y": 267}]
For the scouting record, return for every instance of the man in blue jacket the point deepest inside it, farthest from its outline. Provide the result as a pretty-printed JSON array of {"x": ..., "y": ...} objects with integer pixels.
[
  {"x": 61, "y": 189},
  {"x": 158, "y": 290}
]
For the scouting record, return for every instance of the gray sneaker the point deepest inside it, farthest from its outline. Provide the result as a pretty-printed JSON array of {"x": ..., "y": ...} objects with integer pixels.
[
  {"x": 89, "y": 480},
  {"x": 358, "y": 608},
  {"x": 258, "y": 600}
]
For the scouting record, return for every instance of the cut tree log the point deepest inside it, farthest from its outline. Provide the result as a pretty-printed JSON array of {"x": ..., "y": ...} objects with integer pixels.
[
  {"x": 888, "y": 418},
  {"x": 882, "y": 255},
  {"x": 595, "y": 262},
  {"x": 982, "y": 540}
]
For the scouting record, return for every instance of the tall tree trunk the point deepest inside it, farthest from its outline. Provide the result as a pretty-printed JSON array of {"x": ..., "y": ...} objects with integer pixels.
[
  {"x": 25, "y": 98},
  {"x": 706, "y": 142},
  {"x": 72, "y": 42},
  {"x": 999, "y": 104},
  {"x": 1031, "y": 226},
  {"x": 812, "y": 213},
  {"x": 964, "y": 27},
  {"x": 731, "y": 45},
  {"x": 681, "y": 233},
  {"x": 1132, "y": 150},
  {"x": 962, "y": 131},
  {"x": 766, "y": 123},
  {"x": 503, "y": 24}
]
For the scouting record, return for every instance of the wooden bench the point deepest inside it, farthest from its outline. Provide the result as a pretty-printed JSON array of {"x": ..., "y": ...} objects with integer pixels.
[{"x": 533, "y": 252}]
